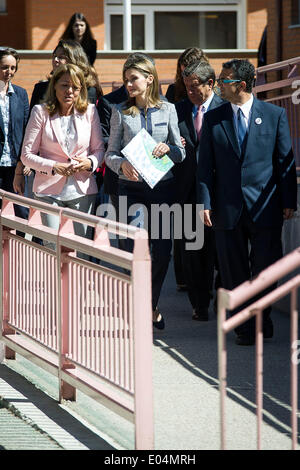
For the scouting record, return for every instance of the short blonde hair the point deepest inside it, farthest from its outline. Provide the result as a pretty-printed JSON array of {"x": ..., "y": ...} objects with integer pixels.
[
  {"x": 77, "y": 78},
  {"x": 146, "y": 68}
]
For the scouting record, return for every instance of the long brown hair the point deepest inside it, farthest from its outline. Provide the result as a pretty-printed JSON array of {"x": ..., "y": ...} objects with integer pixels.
[
  {"x": 189, "y": 56},
  {"x": 146, "y": 67},
  {"x": 77, "y": 56},
  {"x": 77, "y": 78},
  {"x": 69, "y": 34}
]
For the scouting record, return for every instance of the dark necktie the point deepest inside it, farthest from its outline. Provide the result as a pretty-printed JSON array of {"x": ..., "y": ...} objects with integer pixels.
[{"x": 241, "y": 128}]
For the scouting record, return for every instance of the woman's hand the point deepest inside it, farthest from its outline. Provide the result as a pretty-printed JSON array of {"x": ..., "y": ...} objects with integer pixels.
[
  {"x": 19, "y": 180},
  {"x": 63, "y": 169},
  {"x": 27, "y": 171},
  {"x": 129, "y": 171},
  {"x": 160, "y": 150},
  {"x": 19, "y": 183},
  {"x": 84, "y": 164}
]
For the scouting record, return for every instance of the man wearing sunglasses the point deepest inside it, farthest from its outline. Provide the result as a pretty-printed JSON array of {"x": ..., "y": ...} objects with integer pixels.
[{"x": 247, "y": 183}]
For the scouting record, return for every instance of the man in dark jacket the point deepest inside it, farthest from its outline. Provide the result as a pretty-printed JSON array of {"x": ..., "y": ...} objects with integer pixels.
[
  {"x": 247, "y": 182},
  {"x": 198, "y": 264}
]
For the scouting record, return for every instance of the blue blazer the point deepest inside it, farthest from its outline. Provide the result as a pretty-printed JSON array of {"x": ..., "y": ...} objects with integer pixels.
[
  {"x": 18, "y": 113},
  {"x": 263, "y": 177}
]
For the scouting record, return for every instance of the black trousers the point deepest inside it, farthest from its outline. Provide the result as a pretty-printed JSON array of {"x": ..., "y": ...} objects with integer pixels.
[
  {"x": 140, "y": 193},
  {"x": 198, "y": 265},
  {"x": 7, "y": 174},
  {"x": 244, "y": 252}
]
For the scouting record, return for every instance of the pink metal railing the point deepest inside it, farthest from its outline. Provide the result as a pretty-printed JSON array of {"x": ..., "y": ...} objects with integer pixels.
[
  {"x": 288, "y": 100},
  {"x": 88, "y": 324},
  {"x": 228, "y": 300}
]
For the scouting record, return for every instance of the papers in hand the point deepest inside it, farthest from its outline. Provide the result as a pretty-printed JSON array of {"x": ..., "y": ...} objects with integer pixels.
[{"x": 139, "y": 153}]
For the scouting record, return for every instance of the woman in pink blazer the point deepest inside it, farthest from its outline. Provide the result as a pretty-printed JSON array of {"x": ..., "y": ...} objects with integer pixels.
[{"x": 63, "y": 143}]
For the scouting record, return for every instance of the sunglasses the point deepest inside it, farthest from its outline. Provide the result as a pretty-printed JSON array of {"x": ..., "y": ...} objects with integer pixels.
[{"x": 224, "y": 80}]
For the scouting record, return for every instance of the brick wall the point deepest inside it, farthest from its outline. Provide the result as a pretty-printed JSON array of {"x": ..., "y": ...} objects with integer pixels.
[
  {"x": 47, "y": 20},
  {"x": 257, "y": 18},
  {"x": 290, "y": 36},
  {"x": 13, "y": 25}
]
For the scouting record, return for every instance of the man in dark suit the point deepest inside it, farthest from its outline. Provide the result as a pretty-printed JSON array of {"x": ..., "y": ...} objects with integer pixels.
[
  {"x": 246, "y": 181},
  {"x": 198, "y": 264}
]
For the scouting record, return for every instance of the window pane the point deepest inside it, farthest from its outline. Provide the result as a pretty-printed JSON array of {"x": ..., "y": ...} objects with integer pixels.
[
  {"x": 295, "y": 13},
  {"x": 116, "y": 32},
  {"x": 138, "y": 32},
  {"x": 2, "y": 6},
  {"x": 208, "y": 30}
]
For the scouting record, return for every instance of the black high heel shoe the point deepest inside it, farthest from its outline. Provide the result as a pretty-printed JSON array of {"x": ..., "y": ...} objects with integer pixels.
[{"x": 159, "y": 323}]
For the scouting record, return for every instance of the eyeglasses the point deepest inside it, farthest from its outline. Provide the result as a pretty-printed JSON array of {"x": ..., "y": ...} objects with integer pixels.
[{"x": 224, "y": 80}]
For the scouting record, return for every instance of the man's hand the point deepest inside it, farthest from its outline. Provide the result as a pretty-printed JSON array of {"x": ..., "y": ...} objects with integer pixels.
[
  {"x": 205, "y": 217},
  {"x": 288, "y": 213}
]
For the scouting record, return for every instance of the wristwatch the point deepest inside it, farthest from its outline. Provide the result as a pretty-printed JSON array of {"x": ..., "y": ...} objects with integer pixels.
[{"x": 91, "y": 169}]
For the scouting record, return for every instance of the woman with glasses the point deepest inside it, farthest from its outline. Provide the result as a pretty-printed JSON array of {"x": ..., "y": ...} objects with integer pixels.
[
  {"x": 69, "y": 51},
  {"x": 145, "y": 110},
  {"x": 63, "y": 144}
]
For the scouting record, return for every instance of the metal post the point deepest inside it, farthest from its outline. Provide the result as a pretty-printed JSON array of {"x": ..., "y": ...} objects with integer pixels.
[
  {"x": 294, "y": 368},
  {"x": 66, "y": 391},
  {"x": 142, "y": 335},
  {"x": 127, "y": 29},
  {"x": 7, "y": 207},
  {"x": 222, "y": 361},
  {"x": 259, "y": 375}
]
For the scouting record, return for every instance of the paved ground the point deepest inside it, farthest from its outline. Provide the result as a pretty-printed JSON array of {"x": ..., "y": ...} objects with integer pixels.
[{"x": 185, "y": 392}]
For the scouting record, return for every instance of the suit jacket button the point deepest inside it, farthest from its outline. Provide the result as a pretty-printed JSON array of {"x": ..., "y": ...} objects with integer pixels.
[{"x": 69, "y": 159}]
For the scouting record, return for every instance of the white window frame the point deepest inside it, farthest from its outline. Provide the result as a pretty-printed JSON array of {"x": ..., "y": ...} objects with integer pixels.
[{"x": 149, "y": 12}]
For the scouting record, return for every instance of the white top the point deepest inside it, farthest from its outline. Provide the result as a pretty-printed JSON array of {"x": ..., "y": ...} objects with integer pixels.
[
  {"x": 246, "y": 110},
  {"x": 71, "y": 189}
]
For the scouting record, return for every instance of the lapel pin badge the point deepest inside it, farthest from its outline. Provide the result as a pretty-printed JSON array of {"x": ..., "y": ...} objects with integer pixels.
[{"x": 258, "y": 121}]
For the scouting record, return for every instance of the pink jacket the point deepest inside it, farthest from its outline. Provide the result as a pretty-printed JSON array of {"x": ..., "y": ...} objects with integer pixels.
[{"x": 43, "y": 145}]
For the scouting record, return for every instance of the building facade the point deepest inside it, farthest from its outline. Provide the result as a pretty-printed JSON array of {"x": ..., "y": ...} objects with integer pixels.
[{"x": 223, "y": 28}]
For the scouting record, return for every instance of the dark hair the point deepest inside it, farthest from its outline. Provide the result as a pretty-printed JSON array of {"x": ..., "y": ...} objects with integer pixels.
[
  {"x": 4, "y": 51},
  {"x": 189, "y": 56},
  {"x": 69, "y": 34},
  {"x": 202, "y": 70},
  {"x": 242, "y": 70}
]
